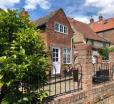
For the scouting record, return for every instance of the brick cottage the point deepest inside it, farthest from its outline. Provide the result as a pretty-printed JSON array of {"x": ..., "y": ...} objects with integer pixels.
[{"x": 57, "y": 35}]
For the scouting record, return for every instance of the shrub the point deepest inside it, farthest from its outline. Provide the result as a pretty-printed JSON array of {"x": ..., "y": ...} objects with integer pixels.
[{"x": 23, "y": 59}]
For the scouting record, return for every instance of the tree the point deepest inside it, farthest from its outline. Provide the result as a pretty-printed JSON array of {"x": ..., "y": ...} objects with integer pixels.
[{"x": 23, "y": 59}]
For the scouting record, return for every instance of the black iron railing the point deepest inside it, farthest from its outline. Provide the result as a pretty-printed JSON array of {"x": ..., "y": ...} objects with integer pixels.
[
  {"x": 102, "y": 73},
  {"x": 67, "y": 81}
]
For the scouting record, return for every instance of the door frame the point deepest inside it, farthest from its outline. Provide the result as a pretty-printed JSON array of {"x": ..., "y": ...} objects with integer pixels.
[{"x": 59, "y": 57}]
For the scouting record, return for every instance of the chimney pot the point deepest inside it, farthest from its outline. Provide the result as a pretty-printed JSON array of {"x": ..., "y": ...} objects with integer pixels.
[
  {"x": 100, "y": 18},
  {"x": 91, "y": 20}
]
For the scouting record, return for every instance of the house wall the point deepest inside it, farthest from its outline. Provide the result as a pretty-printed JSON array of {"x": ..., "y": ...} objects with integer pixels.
[
  {"x": 97, "y": 44},
  {"x": 57, "y": 39},
  {"x": 78, "y": 38},
  {"x": 109, "y": 35},
  {"x": 44, "y": 38}
]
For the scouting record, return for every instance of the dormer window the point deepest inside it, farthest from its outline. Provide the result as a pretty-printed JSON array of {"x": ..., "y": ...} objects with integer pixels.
[{"x": 60, "y": 28}]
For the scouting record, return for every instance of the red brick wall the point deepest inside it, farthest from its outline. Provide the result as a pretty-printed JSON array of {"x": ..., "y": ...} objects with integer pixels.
[{"x": 56, "y": 37}]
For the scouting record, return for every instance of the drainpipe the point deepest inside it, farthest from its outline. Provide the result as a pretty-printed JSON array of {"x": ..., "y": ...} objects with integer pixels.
[{"x": 72, "y": 51}]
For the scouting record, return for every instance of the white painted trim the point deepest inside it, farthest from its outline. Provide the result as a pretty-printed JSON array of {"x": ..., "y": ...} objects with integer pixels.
[
  {"x": 59, "y": 53},
  {"x": 59, "y": 62},
  {"x": 59, "y": 28}
]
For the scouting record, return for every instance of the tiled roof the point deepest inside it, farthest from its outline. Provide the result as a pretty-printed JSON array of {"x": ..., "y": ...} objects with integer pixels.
[
  {"x": 102, "y": 25},
  {"x": 45, "y": 19},
  {"x": 85, "y": 30}
]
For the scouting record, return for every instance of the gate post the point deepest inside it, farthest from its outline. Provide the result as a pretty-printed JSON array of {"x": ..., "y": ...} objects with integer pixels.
[
  {"x": 111, "y": 60},
  {"x": 111, "y": 57},
  {"x": 84, "y": 57}
]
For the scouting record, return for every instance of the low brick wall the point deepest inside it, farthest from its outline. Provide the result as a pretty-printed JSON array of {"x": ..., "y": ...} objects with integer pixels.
[
  {"x": 90, "y": 94},
  {"x": 100, "y": 93},
  {"x": 103, "y": 92},
  {"x": 72, "y": 98}
]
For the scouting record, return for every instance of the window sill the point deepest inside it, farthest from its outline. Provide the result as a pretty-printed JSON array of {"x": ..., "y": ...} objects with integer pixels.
[
  {"x": 66, "y": 63},
  {"x": 61, "y": 32}
]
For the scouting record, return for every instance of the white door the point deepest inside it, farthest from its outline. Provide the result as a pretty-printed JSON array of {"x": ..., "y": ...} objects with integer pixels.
[{"x": 56, "y": 60}]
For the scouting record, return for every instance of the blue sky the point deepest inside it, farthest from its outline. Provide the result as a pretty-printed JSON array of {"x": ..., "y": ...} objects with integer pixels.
[{"x": 78, "y": 9}]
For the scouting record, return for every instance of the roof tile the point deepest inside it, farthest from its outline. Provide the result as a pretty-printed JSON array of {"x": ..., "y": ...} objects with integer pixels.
[
  {"x": 85, "y": 30},
  {"x": 103, "y": 25}
]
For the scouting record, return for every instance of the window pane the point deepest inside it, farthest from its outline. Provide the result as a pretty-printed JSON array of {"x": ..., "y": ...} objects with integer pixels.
[
  {"x": 64, "y": 60},
  {"x": 66, "y": 55},
  {"x": 61, "y": 28},
  {"x": 56, "y": 26},
  {"x": 68, "y": 50},
  {"x": 53, "y": 59},
  {"x": 53, "y": 54},
  {"x": 68, "y": 58},
  {"x": 64, "y": 50},
  {"x": 57, "y": 50},
  {"x": 53, "y": 50},
  {"x": 56, "y": 55},
  {"x": 56, "y": 59},
  {"x": 68, "y": 61},
  {"x": 65, "y": 29}
]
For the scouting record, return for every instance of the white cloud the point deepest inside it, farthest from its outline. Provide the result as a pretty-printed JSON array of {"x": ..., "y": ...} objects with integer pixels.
[
  {"x": 83, "y": 19},
  {"x": 106, "y": 7},
  {"x": 4, "y": 4},
  {"x": 32, "y": 4}
]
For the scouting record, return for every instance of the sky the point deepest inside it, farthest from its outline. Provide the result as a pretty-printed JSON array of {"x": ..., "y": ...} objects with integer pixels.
[{"x": 79, "y": 9}]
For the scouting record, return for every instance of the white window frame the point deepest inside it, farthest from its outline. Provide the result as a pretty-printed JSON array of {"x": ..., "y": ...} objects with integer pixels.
[
  {"x": 63, "y": 31},
  {"x": 66, "y": 53}
]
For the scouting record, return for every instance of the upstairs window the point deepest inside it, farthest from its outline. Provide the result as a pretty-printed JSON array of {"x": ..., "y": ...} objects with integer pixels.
[{"x": 61, "y": 28}]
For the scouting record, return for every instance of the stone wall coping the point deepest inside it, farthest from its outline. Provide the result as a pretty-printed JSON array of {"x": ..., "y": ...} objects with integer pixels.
[
  {"x": 102, "y": 85},
  {"x": 71, "y": 94}
]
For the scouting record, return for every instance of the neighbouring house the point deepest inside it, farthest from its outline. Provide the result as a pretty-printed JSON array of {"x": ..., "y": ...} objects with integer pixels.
[
  {"x": 57, "y": 34},
  {"x": 83, "y": 34},
  {"x": 104, "y": 28}
]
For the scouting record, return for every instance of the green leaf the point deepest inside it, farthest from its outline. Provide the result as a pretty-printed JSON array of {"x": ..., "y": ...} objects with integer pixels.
[
  {"x": 23, "y": 58},
  {"x": 3, "y": 59}
]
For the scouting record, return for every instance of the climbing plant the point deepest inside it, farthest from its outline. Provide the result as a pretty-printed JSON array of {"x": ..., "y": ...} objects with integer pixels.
[{"x": 105, "y": 52}]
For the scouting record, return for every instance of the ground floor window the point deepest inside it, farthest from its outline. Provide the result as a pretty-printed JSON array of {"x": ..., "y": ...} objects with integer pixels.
[{"x": 66, "y": 55}]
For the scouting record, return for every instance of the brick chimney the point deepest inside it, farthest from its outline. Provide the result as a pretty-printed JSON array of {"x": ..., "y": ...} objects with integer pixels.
[
  {"x": 100, "y": 18},
  {"x": 91, "y": 20}
]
